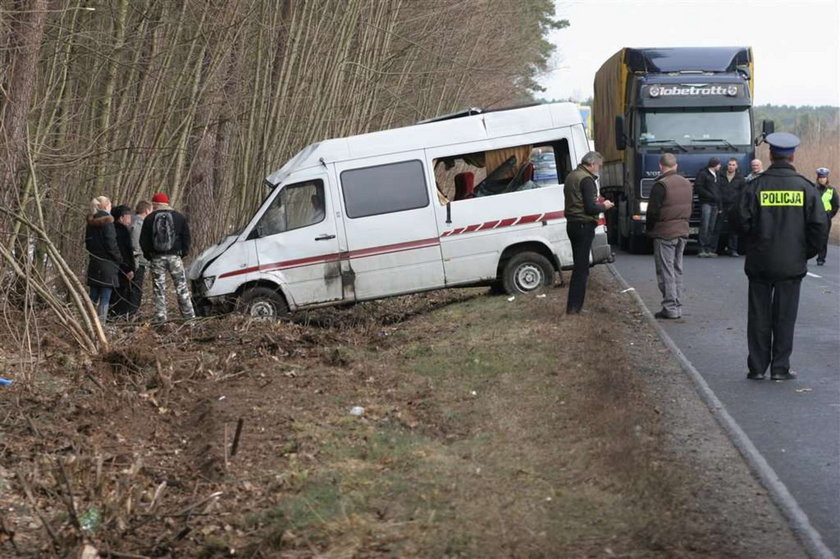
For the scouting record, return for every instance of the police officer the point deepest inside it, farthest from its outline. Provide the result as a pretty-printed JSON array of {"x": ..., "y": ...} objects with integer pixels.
[
  {"x": 782, "y": 218},
  {"x": 831, "y": 203}
]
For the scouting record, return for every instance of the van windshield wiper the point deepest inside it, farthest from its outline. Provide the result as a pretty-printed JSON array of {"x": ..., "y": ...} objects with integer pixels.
[
  {"x": 676, "y": 143},
  {"x": 728, "y": 144}
]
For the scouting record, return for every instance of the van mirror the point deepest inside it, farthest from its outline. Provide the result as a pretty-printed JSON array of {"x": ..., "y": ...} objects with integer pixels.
[
  {"x": 620, "y": 136},
  {"x": 768, "y": 127}
]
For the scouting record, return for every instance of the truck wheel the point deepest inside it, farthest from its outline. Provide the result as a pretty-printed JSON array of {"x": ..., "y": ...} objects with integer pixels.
[
  {"x": 262, "y": 302},
  {"x": 527, "y": 272}
]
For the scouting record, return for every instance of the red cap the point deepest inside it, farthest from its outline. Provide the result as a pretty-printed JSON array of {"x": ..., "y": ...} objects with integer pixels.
[{"x": 160, "y": 198}]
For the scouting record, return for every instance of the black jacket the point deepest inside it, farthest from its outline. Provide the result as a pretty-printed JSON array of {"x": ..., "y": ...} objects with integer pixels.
[
  {"x": 730, "y": 190},
  {"x": 707, "y": 187},
  {"x": 126, "y": 248},
  {"x": 101, "y": 244},
  {"x": 783, "y": 221},
  {"x": 182, "y": 235}
]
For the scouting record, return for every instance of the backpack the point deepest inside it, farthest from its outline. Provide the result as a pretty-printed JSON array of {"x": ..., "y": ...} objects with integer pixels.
[{"x": 163, "y": 232}]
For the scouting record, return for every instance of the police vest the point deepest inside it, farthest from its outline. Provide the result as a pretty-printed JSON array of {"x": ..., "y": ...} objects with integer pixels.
[{"x": 826, "y": 198}]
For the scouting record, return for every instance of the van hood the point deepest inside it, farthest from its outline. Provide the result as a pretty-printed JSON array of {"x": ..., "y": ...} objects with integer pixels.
[{"x": 209, "y": 255}]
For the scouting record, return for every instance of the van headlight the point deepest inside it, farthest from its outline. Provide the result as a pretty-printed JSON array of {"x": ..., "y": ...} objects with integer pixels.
[
  {"x": 208, "y": 282},
  {"x": 643, "y": 207}
]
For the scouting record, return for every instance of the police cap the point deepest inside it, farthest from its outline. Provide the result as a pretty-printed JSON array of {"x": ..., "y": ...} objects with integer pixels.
[{"x": 783, "y": 143}]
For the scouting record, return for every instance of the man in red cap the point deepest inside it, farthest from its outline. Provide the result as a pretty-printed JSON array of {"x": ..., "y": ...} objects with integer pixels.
[{"x": 164, "y": 240}]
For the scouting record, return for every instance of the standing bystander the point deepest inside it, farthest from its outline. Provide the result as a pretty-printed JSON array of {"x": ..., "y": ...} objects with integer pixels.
[
  {"x": 101, "y": 245},
  {"x": 831, "y": 203},
  {"x": 784, "y": 223},
  {"x": 164, "y": 240},
  {"x": 582, "y": 209},
  {"x": 756, "y": 168},
  {"x": 669, "y": 210},
  {"x": 143, "y": 209},
  {"x": 120, "y": 301},
  {"x": 731, "y": 185},
  {"x": 707, "y": 187}
]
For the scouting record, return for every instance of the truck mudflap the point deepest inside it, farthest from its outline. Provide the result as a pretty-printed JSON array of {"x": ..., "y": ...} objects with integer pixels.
[{"x": 601, "y": 250}]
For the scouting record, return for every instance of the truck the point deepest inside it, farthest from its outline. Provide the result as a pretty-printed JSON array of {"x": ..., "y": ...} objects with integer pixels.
[
  {"x": 452, "y": 201},
  {"x": 693, "y": 102}
]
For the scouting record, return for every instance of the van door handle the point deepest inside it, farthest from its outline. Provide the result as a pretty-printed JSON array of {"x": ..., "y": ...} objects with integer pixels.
[{"x": 324, "y": 237}]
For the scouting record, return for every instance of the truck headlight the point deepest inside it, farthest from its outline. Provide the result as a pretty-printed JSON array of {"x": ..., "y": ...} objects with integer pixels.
[
  {"x": 208, "y": 282},
  {"x": 643, "y": 207}
]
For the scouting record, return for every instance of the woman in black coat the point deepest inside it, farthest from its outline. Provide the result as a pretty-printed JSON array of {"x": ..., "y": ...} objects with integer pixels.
[
  {"x": 101, "y": 244},
  {"x": 120, "y": 300}
]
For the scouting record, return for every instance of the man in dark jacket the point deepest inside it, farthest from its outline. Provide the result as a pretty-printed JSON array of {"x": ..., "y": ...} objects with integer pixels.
[
  {"x": 731, "y": 184},
  {"x": 784, "y": 224},
  {"x": 164, "y": 240},
  {"x": 831, "y": 203},
  {"x": 707, "y": 187},
  {"x": 582, "y": 210},
  {"x": 122, "y": 222},
  {"x": 669, "y": 209}
]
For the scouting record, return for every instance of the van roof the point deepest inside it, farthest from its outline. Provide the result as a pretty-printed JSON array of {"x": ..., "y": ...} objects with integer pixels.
[{"x": 453, "y": 131}]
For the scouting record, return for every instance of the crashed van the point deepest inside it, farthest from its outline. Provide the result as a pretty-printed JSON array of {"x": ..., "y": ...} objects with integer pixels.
[{"x": 453, "y": 201}]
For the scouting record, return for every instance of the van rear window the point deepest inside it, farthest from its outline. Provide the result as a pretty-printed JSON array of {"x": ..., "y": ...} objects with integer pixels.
[{"x": 383, "y": 189}]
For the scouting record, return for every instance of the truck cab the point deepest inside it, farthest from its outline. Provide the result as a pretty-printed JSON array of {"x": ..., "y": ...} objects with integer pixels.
[{"x": 693, "y": 102}]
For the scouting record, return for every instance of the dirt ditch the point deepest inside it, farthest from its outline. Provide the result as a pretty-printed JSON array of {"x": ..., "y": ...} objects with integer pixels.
[{"x": 451, "y": 424}]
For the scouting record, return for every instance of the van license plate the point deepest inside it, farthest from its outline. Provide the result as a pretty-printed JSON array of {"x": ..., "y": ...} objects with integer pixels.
[{"x": 693, "y": 230}]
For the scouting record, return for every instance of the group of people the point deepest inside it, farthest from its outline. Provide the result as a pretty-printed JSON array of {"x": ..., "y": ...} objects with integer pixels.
[
  {"x": 122, "y": 245},
  {"x": 718, "y": 192},
  {"x": 777, "y": 217}
]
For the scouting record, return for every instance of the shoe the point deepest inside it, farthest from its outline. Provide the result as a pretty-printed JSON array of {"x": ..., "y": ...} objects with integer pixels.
[
  {"x": 712, "y": 255},
  {"x": 702, "y": 254},
  {"x": 662, "y": 315},
  {"x": 789, "y": 375},
  {"x": 734, "y": 254},
  {"x": 755, "y": 376},
  {"x": 820, "y": 262}
]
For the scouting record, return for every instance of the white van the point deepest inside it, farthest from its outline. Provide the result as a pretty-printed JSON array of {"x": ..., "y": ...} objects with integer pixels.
[{"x": 455, "y": 201}]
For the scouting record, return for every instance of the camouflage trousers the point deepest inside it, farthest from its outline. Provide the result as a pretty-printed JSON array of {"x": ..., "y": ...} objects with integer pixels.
[{"x": 159, "y": 266}]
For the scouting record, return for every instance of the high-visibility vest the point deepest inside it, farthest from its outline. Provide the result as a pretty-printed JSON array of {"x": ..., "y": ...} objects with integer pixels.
[{"x": 826, "y": 198}]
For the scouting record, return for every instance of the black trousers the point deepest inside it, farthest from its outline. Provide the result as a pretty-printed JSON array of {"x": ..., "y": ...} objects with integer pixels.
[
  {"x": 136, "y": 295},
  {"x": 581, "y": 234},
  {"x": 770, "y": 320},
  {"x": 824, "y": 248}
]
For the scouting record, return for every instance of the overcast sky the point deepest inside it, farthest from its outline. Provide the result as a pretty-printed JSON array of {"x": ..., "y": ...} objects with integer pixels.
[{"x": 796, "y": 43}]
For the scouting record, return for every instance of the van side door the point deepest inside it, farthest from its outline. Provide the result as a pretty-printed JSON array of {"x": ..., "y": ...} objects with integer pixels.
[
  {"x": 389, "y": 220},
  {"x": 296, "y": 242}
]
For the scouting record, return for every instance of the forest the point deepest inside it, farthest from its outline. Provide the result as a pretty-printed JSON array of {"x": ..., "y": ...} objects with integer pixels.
[{"x": 203, "y": 98}]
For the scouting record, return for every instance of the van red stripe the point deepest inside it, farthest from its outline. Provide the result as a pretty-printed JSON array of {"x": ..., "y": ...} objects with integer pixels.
[
  {"x": 529, "y": 218},
  {"x": 398, "y": 247},
  {"x": 507, "y": 222},
  {"x": 336, "y": 256}
]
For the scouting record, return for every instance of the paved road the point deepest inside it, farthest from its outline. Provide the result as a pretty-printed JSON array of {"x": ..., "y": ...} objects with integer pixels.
[{"x": 795, "y": 425}]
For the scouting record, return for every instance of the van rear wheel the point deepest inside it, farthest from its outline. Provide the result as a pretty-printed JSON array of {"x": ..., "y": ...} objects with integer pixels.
[
  {"x": 527, "y": 272},
  {"x": 262, "y": 302}
]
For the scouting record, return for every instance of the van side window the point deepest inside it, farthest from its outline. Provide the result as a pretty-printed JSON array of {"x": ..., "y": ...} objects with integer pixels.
[
  {"x": 394, "y": 187},
  {"x": 297, "y": 205},
  {"x": 502, "y": 171}
]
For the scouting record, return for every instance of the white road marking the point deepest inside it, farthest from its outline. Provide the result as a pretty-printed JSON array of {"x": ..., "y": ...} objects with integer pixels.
[{"x": 814, "y": 275}]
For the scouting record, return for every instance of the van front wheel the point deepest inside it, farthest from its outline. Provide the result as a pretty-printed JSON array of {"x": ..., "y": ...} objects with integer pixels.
[
  {"x": 527, "y": 272},
  {"x": 262, "y": 302}
]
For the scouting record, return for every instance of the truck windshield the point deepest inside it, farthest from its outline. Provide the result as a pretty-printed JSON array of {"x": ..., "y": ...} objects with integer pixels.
[{"x": 698, "y": 128}]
